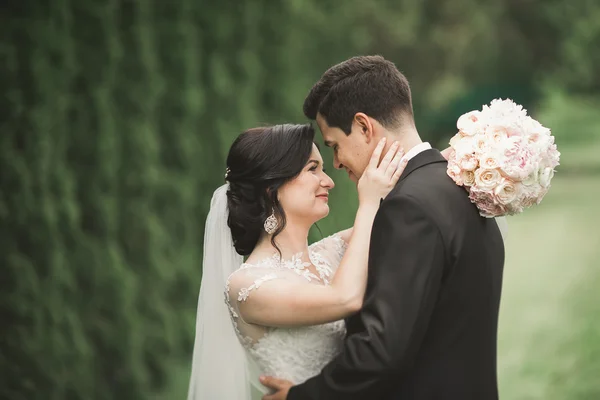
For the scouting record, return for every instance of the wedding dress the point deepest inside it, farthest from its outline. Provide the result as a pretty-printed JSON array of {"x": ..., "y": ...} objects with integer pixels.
[{"x": 297, "y": 353}]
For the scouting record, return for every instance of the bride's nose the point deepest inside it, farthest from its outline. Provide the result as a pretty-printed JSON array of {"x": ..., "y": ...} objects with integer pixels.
[{"x": 327, "y": 182}]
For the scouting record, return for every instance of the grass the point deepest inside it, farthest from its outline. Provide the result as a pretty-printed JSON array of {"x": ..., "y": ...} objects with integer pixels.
[{"x": 549, "y": 334}]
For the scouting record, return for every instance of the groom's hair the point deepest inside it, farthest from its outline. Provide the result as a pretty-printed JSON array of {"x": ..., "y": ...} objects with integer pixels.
[{"x": 368, "y": 84}]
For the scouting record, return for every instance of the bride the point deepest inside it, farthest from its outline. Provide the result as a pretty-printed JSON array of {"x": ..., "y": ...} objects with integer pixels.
[{"x": 281, "y": 311}]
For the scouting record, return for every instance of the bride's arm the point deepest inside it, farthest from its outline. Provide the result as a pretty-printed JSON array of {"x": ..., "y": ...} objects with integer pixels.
[{"x": 281, "y": 302}]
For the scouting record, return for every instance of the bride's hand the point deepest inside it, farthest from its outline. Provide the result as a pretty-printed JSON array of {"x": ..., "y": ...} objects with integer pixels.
[{"x": 380, "y": 177}]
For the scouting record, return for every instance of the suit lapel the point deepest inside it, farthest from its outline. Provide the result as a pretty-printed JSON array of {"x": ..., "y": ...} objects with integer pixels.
[{"x": 420, "y": 160}]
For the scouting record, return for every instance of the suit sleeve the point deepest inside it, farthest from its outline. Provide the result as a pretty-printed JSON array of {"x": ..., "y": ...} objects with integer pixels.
[{"x": 406, "y": 263}]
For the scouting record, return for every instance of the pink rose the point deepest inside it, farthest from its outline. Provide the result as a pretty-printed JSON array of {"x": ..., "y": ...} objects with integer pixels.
[
  {"x": 507, "y": 191},
  {"x": 487, "y": 179},
  {"x": 482, "y": 145},
  {"x": 468, "y": 162},
  {"x": 468, "y": 178},
  {"x": 454, "y": 172},
  {"x": 486, "y": 203},
  {"x": 489, "y": 160},
  {"x": 528, "y": 201}
]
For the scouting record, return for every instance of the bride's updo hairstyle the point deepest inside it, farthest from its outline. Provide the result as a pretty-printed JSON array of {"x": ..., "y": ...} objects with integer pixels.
[{"x": 260, "y": 161}]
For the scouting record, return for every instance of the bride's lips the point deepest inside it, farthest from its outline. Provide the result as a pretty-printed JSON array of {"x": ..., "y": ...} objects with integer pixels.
[{"x": 324, "y": 196}]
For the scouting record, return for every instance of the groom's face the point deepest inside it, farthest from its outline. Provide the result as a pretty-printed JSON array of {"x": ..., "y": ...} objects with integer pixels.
[{"x": 350, "y": 152}]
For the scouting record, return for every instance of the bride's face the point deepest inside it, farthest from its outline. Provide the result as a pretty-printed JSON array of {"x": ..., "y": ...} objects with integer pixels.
[{"x": 306, "y": 197}]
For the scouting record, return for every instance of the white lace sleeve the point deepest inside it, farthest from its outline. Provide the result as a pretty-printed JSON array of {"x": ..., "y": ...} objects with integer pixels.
[
  {"x": 241, "y": 286},
  {"x": 329, "y": 250}
]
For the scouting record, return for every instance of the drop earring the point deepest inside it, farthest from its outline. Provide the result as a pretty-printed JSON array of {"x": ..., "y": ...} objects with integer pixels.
[{"x": 271, "y": 223}]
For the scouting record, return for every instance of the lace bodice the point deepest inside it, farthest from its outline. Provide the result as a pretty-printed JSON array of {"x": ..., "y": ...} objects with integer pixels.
[{"x": 292, "y": 353}]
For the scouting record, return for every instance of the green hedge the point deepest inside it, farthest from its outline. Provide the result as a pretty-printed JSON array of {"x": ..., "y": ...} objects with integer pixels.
[{"x": 115, "y": 120}]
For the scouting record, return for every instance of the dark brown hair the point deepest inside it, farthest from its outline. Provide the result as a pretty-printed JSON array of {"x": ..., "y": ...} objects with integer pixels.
[
  {"x": 260, "y": 161},
  {"x": 368, "y": 84}
]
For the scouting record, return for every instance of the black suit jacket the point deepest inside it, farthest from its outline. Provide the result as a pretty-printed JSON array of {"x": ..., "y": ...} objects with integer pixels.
[{"x": 428, "y": 326}]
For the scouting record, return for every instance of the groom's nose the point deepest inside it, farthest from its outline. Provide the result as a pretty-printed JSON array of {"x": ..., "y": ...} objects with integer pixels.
[{"x": 336, "y": 163}]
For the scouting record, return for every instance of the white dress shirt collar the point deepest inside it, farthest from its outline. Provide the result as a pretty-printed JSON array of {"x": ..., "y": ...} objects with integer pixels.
[{"x": 421, "y": 147}]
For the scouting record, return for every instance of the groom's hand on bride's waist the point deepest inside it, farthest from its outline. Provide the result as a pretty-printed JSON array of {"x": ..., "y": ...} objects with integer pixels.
[{"x": 281, "y": 387}]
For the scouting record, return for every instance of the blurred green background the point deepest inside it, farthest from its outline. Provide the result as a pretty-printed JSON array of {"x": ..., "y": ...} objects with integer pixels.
[{"x": 116, "y": 116}]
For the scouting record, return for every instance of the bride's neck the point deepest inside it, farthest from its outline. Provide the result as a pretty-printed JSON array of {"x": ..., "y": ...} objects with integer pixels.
[{"x": 291, "y": 241}]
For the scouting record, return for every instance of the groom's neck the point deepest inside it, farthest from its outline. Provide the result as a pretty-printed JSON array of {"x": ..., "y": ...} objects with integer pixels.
[{"x": 407, "y": 137}]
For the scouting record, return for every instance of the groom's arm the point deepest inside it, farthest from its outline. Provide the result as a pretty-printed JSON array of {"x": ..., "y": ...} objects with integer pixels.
[{"x": 406, "y": 264}]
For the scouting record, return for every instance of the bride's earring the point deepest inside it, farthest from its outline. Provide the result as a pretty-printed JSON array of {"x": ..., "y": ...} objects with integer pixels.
[{"x": 271, "y": 223}]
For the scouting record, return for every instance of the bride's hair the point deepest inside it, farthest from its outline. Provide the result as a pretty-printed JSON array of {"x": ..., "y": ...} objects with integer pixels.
[{"x": 260, "y": 161}]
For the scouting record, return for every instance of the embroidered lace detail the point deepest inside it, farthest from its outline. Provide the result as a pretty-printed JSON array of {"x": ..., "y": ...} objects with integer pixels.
[
  {"x": 336, "y": 246},
  {"x": 321, "y": 266},
  {"x": 300, "y": 353},
  {"x": 244, "y": 340},
  {"x": 295, "y": 354},
  {"x": 243, "y": 295},
  {"x": 297, "y": 265}
]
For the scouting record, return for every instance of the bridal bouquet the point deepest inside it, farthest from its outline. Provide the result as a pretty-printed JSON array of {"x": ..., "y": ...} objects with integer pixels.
[{"x": 503, "y": 157}]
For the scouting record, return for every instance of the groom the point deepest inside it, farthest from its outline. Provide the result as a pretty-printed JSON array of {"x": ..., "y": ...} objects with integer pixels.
[{"x": 428, "y": 326}]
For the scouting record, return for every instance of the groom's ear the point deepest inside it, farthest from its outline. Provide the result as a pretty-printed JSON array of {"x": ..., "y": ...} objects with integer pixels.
[{"x": 364, "y": 125}]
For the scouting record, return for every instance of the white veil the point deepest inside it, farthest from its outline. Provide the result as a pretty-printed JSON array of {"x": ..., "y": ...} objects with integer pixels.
[{"x": 219, "y": 360}]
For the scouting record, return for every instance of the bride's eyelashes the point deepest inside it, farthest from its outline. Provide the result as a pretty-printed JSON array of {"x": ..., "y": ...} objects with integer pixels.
[{"x": 315, "y": 165}]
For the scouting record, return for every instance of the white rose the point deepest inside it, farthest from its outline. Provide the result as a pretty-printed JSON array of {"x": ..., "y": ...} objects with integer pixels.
[
  {"x": 489, "y": 160},
  {"x": 497, "y": 134},
  {"x": 534, "y": 128},
  {"x": 455, "y": 173},
  {"x": 455, "y": 140},
  {"x": 534, "y": 139},
  {"x": 546, "y": 176},
  {"x": 482, "y": 144},
  {"x": 506, "y": 110},
  {"x": 507, "y": 191},
  {"x": 469, "y": 123},
  {"x": 541, "y": 143},
  {"x": 553, "y": 156},
  {"x": 530, "y": 196},
  {"x": 532, "y": 179},
  {"x": 465, "y": 146},
  {"x": 487, "y": 179}
]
